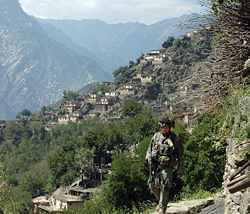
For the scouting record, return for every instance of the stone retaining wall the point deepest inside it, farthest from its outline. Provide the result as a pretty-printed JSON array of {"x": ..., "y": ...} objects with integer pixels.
[{"x": 238, "y": 202}]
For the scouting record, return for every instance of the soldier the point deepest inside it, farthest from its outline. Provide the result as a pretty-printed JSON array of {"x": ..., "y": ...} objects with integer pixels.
[{"x": 164, "y": 151}]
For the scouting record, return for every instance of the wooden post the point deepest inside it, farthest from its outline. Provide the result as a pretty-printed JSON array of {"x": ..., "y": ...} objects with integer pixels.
[
  {"x": 239, "y": 170},
  {"x": 239, "y": 183}
]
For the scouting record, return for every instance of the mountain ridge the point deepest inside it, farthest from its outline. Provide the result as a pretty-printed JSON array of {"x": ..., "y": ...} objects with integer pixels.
[
  {"x": 114, "y": 45},
  {"x": 35, "y": 69}
]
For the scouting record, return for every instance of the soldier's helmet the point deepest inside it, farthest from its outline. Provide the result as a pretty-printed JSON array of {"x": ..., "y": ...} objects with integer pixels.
[{"x": 165, "y": 121}]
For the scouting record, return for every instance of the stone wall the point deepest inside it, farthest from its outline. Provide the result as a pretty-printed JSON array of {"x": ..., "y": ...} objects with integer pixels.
[{"x": 238, "y": 202}]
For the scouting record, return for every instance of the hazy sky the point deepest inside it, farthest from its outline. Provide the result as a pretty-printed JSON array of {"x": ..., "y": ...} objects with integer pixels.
[{"x": 111, "y": 11}]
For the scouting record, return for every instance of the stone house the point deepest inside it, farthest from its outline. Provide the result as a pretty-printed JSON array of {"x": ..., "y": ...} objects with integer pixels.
[
  {"x": 64, "y": 198},
  {"x": 66, "y": 118},
  {"x": 66, "y": 202},
  {"x": 155, "y": 52},
  {"x": 71, "y": 105},
  {"x": 93, "y": 98},
  {"x": 104, "y": 101},
  {"x": 158, "y": 110},
  {"x": 156, "y": 56},
  {"x": 149, "y": 56},
  {"x": 137, "y": 76},
  {"x": 146, "y": 79},
  {"x": 142, "y": 78},
  {"x": 127, "y": 90},
  {"x": 152, "y": 54},
  {"x": 157, "y": 60},
  {"x": 111, "y": 94},
  {"x": 99, "y": 107}
]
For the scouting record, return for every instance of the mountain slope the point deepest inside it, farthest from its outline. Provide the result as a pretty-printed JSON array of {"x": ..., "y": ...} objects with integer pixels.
[
  {"x": 35, "y": 69},
  {"x": 116, "y": 44}
]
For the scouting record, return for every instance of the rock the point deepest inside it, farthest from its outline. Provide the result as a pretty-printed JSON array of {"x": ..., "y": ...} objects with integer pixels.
[
  {"x": 188, "y": 207},
  {"x": 216, "y": 208}
]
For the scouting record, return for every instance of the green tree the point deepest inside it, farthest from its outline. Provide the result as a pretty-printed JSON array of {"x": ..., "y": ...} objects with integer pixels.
[
  {"x": 34, "y": 185},
  {"x": 84, "y": 160},
  {"x": 131, "y": 64},
  {"x": 204, "y": 161},
  {"x": 131, "y": 108},
  {"x": 13, "y": 131},
  {"x": 70, "y": 95},
  {"x": 120, "y": 71},
  {"x": 169, "y": 42},
  {"x": 25, "y": 114},
  {"x": 127, "y": 184},
  {"x": 6, "y": 201}
]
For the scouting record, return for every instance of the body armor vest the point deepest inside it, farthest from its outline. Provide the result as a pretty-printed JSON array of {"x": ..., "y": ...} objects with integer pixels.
[{"x": 163, "y": 149}]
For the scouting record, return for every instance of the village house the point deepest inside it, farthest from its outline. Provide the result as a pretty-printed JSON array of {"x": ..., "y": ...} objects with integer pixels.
[
  {"x": 93, "y": 98},
  {"x": 111, "y": 94},
  {"x": 142, "y": 79},
  {"x": 66, "y": 202},
  {"x": 152, "y": 54},
  {"x": 99, "y": 107},
  {"x": 156, "y": 52},
  {"x": 146, "y": 79},
  {"x": 66, "y": 118},
  {"x": 104, "y": 101},
  {"x": 157, "y": 60},
  {"x": 64, "y": 198},
  {"x": 71, "y": 105},
  {"x": 126, "y": 90},
  {"x": 137, "y": 76},
  {"x": 156, "y": 57}
]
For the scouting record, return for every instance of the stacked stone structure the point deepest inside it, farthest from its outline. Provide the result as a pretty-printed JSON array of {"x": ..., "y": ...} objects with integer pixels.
[{"x": 237, "y": 199}]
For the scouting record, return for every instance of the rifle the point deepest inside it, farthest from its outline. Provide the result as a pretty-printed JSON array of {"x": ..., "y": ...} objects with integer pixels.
[{"x": 150, "y": 181}]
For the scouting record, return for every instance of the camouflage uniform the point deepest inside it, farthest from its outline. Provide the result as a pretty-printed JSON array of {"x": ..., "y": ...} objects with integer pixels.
[{"x": 167, "y": 150}]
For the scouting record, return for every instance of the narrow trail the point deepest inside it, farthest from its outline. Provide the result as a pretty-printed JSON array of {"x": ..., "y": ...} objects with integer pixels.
[{"x": 209, "y": 205}]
